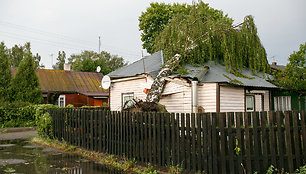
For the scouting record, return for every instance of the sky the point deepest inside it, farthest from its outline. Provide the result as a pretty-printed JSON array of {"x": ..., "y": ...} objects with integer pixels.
[{"x": 76, "y": 25}]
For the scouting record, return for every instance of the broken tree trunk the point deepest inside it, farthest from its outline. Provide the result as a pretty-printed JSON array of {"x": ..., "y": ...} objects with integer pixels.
[{"x": 159, "y": 82}]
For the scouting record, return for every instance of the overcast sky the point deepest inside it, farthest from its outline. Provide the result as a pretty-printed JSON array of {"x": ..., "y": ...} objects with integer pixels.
[{"x": 74, "y": 25}]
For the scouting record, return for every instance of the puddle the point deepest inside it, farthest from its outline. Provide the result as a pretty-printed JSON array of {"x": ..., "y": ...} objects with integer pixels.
[{"x": 22, "y": 157}]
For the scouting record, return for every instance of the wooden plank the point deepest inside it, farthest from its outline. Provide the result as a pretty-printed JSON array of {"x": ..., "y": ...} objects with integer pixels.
[
  {"x": 100, "y": 129},
  {"x": 273, "y": 147},
  {"x": 162, "y": 149},
  {"x": 134, "y": 136},
  {"x": 167, "y": 140},
  {"x": 104, "y": 131},
  {"x": 79, "y": 127},
  {"x": 159, "y": 139},
  {"x": 155, "y": 141},
  {"x": 303, "y": 123},
  {"x": 257, "y": 142},
  {"x": 141, "y": 137},
  {"x": 193, "y": 137},
  {"x": 188, "y": 143},
  {"x": 173, "y": 142},
  {"x": 91, "y": 130},
  {"x": 177, "y": 139},
  {"x": 146, "y": 138},
  {"x": 280, "y": 133},
  {"x": 248, "y": 143},
  {"x": 150, "y": 144},
  {"x": 206, "y": 125},
  {"x": 199, "y": 142},
  {"x": 265, "y": 140},
  {"x": 288, "y": 141},
  {"x": 214, "y": 143},
  {"x": 223, "y": 142},
  {"x": 239, "y": 145},
  {"x": 183, "y": 141},
  {"x": 231, "y": 141},
  {"x": 296, "y": 138}
]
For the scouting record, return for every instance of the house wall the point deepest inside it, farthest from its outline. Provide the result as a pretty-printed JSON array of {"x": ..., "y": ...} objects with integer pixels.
[
  {"x": 176, "y": 97},
  {"x": 207, "y": 96},
  {"x": 231, "y": 99},
  {"x": 78, "y": 100},
  {"x": 295, "y": 99},
  {"x": 135, "y": 86}
]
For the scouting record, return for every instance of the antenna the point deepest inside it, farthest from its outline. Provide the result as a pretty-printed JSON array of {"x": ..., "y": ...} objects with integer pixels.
[{"x": 143, "y": 63}]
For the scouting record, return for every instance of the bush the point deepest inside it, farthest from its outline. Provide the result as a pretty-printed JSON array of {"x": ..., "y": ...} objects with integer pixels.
[{"x": 44, "y": 120}]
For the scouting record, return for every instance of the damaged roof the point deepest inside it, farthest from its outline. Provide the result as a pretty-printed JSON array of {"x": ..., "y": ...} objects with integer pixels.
[
  {"x": 86, "y": 83},
  {"x": 217, "y": 73},
  {"x": 148, "y": 65},
  {"x": 214, "y": 72}
]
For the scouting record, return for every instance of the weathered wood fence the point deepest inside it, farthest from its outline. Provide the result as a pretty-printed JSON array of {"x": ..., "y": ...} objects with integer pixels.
[{"x": 211, "y": 142}]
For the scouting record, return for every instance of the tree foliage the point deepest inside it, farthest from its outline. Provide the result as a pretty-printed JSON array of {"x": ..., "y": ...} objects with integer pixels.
[
  {"x": 294, "y": 75},
  {"x": 88, "y": 61},
  {"x": 61, "y": 58},
  {"x": 206, "y": 34},
  {"x": 25, "y": 85},
  {"x": 154, "y": 20},
  {"x": 5, "y": 73},
  {"x": 17, "y": 53}
]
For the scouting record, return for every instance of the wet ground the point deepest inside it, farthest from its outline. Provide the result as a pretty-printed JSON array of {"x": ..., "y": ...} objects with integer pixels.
[{"x": 21, "y": 157}]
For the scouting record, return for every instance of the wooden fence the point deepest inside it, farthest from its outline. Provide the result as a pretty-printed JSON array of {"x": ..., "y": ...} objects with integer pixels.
[{"x": 210, "y": 142}]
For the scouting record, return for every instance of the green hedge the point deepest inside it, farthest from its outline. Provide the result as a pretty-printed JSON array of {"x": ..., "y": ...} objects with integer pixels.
[{"x": 25, "y": 116}]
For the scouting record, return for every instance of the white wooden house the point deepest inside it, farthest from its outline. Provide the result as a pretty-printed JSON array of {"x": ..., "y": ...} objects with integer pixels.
[{"x": 207, "y": 88}]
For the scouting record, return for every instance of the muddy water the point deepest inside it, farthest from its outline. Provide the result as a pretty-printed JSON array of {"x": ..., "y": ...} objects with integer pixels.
[{"x": 22, "y": 157}]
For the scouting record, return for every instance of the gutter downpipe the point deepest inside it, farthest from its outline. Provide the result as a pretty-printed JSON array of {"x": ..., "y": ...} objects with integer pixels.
[{"x": 194, "y": 96}]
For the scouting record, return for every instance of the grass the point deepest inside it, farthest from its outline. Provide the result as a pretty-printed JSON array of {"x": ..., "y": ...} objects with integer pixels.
[{"x": 124, "y": 164}]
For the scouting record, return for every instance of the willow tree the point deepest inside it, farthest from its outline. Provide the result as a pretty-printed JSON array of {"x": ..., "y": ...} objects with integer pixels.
[{"x": 206, "y": 34}]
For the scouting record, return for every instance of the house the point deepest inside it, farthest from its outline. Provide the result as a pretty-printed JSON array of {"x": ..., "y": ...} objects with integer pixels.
[
  {"x": 70, "y": 87},
  {"x": 284, "y": 99},
  {"x": 207, "y": 88}
]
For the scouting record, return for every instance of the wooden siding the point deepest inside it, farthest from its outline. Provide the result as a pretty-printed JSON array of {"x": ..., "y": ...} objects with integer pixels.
[
  {"x": 176, "y": 98},
  {"x": 135, "y": 86},
  {"x": 207, "y": 96},
  {"x": 231, "y": 99}
]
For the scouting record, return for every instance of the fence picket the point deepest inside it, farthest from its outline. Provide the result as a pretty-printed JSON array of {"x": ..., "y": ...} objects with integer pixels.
[{"x": 208, "y": 142}]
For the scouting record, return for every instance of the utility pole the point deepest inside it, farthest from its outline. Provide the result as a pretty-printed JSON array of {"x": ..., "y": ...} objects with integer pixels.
[
  {"x": 51, "y": 59},
  {"x": 99, "y": 44}
]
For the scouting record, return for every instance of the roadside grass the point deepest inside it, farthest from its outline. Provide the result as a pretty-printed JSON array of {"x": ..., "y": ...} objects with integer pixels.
[{"x": 121, "y": 163}]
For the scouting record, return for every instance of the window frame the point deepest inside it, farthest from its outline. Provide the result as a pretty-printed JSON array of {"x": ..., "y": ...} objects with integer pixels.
[
  {"x": 282, "y": 103},
  {"x": 253, "y": 101},
  {"x": 130, "y": 94},
  {"x": 59, "y": 100}
]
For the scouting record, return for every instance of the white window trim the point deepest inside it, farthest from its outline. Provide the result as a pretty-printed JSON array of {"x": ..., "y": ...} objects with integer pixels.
[
  {"x": 125, "y": 95},
  {"x": 253, "y": 97},
  {"x": 64, "y": 98}
]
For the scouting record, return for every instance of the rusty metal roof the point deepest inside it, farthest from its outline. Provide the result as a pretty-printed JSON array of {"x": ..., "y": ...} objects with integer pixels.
[{"x": 70, "y": 81}]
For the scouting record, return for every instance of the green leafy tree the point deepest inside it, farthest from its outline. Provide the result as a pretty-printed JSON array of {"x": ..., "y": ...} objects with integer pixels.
[
  {"x": 25, "y": 85},
  {"x": 17, "y": 54},
  {"x": 88, "y": 61},
  {"x": 294, "y": 75},
  {"x": 154, "y": 20},
  {"x": 5, "y": 73},
  {"x": 206, "y": 34},
  {"x": 61, "y": 58}
]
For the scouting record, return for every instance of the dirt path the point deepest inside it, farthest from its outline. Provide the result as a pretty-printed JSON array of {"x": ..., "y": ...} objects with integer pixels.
[{"x": 17, "y": 133}]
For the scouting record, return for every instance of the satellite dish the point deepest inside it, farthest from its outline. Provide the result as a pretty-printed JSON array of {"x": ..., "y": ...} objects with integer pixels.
[
  {"x": 98, "y": 69},
  {"x": 106, "y": 81}
]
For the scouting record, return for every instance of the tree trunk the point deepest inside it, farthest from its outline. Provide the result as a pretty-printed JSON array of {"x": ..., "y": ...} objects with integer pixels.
[{"x": 158, "y": 84}]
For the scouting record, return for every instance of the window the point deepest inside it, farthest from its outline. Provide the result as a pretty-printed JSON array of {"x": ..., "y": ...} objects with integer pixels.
[
  {"x": 249, "y": 103},
  {"x": 282, "y": 103},
  {"x": 127, "y": 100},
  {"x": 61, "y": 101}
]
